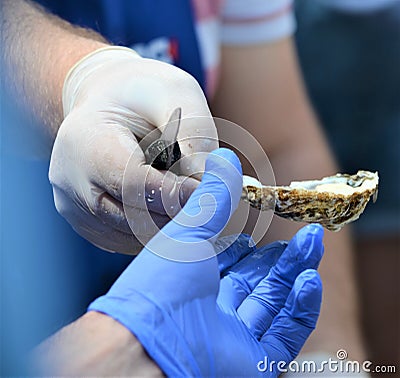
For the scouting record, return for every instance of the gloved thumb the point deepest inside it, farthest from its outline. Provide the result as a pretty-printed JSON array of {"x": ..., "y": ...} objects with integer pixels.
[{"x": 210, "y": 206}]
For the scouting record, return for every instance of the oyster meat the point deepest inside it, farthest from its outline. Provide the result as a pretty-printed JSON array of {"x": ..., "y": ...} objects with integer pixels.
[{"x": 332, "y": 201}]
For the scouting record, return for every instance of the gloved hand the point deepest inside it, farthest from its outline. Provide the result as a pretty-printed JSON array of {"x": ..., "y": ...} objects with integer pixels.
[
  {"x": 111, "y": 99},
  {"x": 194, "y": 324}
]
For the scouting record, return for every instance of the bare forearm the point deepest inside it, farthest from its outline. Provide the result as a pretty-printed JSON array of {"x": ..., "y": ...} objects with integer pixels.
[
  {"x": 94, "y": 345},
  {"x": 38, "y": 49}
]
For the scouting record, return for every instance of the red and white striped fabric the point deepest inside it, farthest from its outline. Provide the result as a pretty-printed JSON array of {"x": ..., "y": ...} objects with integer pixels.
[{"x": 238, "y": 22}]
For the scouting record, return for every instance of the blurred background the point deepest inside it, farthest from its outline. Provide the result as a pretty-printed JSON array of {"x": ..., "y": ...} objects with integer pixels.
[{"x": 349, "y": 52}]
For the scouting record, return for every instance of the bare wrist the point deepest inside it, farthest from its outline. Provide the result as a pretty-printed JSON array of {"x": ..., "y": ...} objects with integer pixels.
[{"x": 97, "y": 345}]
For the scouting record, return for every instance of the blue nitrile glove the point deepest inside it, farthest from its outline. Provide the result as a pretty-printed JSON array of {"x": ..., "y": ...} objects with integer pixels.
[{"x": 192, "y": 322}]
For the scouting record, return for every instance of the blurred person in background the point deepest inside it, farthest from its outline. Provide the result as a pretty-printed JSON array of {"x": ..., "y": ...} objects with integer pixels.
[
  {"x": 350, "y": 57},
  {"x": 242, "y": 56}
]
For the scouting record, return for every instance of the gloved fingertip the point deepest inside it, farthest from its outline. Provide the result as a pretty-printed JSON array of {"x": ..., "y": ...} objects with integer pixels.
[
  {"x": 315, "y": 228},
  {"x": 222, "y": 178},
  {"x": 209, "y": 208},
  {"x": 309, "y": 280},
  {"x": 308, "y": 241},
  {"x": 307, "y": 233},
  {"x": 222, "y": 157},
  {"x": 304, "y": 301}
]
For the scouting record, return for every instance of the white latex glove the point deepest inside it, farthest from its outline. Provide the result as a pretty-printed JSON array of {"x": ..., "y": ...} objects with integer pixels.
[{"x": 112, "y": 98}]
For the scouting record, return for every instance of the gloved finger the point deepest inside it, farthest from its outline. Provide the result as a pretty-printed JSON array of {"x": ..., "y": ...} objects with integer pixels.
[
  {"x": 197, "y": 133},
  {"x": 240, "y": 279},
  {"x": 230, "y": 249},
  {"x": 197, "y": 136},
  {"x": 162, "y": 192},
  {"x": 102, "y": 234},
  {"x": 104, "y": 209},
  {"x": 106, "y": 238},
  {"x": 303, "y": 252},
  {"x": 119, "y": 217},
  {"x": 209, "y": 208},
  {"x": 110, "y": 240},
  {"x": 112, "y": 213},
  {"x": 173, "y": 89},
  {"x": 191, "y": 234},
  {"x": 295, "y": 322},
  {"x": 122, "y": 172}
]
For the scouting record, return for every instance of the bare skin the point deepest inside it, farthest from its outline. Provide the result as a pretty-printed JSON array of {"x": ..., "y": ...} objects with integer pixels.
[
  {"x": 260, "y": 89},
  {"x": 93, "y": 345},
  {"x": 38, "y": 87}
]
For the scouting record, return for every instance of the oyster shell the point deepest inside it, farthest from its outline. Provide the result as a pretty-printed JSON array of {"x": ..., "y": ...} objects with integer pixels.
[{"x": 332, "y": 201}]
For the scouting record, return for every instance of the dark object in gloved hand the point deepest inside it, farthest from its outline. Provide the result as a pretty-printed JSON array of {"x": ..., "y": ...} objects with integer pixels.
[
  {"x": 159, "y": 155},
  {"x": 165, "y": 152}
]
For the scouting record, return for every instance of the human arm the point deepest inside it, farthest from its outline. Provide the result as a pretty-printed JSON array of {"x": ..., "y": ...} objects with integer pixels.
[
  {"x": 38, "y": 50},
  {"x": 96, "y": 102},
  {"x": 261, "y": 90},
  {"x": 196, "y": 314},
  {"x": 95, "y": 344}
]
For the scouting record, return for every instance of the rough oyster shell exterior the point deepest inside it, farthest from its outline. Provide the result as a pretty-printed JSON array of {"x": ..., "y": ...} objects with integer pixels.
[{"x": 304, "y": 201}]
